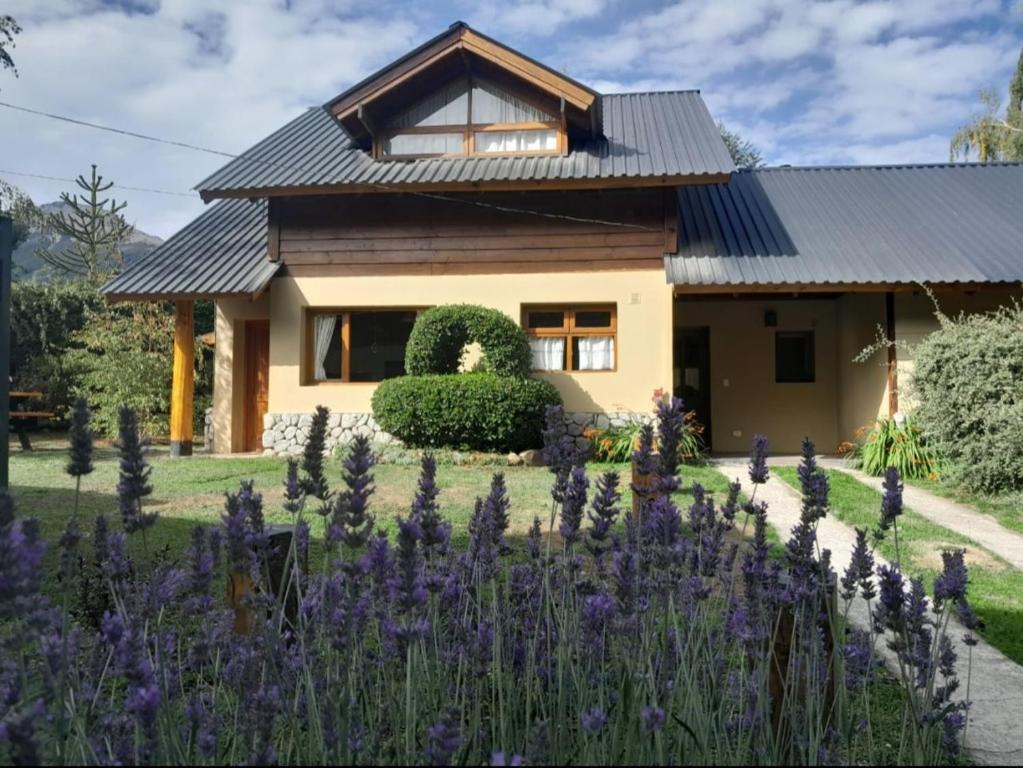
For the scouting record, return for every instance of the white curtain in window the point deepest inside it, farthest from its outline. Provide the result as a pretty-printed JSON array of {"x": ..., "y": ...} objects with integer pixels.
[
  {"x": 548, "y": 353},
  {"x": 596, "y": 353},
  {"x": 516, "y": 141},
  {"x": 323, "y": 332}
]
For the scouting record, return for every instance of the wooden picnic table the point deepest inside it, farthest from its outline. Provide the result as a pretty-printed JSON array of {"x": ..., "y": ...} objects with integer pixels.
[{"x": 22, "y": 420}]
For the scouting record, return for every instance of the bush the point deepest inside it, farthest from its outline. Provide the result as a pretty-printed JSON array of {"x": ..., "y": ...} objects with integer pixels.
[
  {"x": 441, "y": 334},
  {"x": 479, "y": 411},
  {"x": 892, "y": 443},
  {"x": 617, "y": 444},
  {"x": 968, "y": 379},
  {"x": 125, "y": 357},
  {"x": 44, "y": 320}
]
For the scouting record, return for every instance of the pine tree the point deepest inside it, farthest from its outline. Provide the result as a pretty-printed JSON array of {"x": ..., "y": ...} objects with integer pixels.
[
  {"x": 993, "y": 136},
  {"x": 8, "y": 29},
  {"x": 744, "y": 154},
  {"x": 96, "y": 228}
]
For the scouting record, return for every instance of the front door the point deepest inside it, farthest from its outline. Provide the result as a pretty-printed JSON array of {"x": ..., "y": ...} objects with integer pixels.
[
  {"x": 257, "y": 375},
  {"x": 693, "y": 352}
]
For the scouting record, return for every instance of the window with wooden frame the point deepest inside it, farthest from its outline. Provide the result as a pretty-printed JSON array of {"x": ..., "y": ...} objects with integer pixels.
[
  {"x": 356, "y": 345},
  {"x": 579, "y": 337},
  {"x": 471, "y": 116}
]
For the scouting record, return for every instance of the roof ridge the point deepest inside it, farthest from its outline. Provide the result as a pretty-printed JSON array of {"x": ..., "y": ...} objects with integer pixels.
[
  {"x": 652, "y": 93},
  {"x": 881, "y": 166}
]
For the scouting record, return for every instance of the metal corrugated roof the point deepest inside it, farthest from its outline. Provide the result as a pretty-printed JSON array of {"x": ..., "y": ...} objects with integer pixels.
[
  {"x": 222, "y": 252},
  {"x": 645, "y": 135},
  {"x": 879, "y": 224}
]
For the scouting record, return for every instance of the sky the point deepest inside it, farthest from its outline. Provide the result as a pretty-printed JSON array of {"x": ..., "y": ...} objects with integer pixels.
[{"x": 825, "y": 82}]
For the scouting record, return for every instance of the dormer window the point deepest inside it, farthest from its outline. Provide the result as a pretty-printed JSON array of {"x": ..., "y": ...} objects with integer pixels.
[{"x": 472, "y": 116}]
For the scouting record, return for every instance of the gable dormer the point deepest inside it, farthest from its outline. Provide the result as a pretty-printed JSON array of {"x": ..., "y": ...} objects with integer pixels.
[{"x": 481, "y": 98}]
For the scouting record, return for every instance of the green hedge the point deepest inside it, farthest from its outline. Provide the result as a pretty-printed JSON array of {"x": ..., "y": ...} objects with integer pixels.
[
  {"x": 968, "y": 379},
  {"x": 479, "y": 411},
  {"x": 441, "y": 334}
]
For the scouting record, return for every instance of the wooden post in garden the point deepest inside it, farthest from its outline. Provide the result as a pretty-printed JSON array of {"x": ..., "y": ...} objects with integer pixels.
[
  {"x": 893, "y": 355},
  {"x": 182, "y": 379},
  {"x": 6, "y": 249},
  {"x": 645, "y": 490}
]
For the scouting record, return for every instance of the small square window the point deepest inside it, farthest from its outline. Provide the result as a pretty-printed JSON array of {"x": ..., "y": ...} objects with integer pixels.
[{"x": 794, "y": 357}]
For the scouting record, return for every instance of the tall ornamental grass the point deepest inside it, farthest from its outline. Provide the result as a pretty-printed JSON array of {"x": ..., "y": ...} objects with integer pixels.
[{"x": 609, "y": 640}]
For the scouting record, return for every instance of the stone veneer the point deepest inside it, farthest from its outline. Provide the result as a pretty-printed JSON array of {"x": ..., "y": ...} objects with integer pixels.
[{"x": 285, "y": 434}]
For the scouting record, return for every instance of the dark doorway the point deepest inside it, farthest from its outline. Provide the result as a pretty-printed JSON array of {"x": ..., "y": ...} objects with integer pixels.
[{"x": 692, "y": 356}]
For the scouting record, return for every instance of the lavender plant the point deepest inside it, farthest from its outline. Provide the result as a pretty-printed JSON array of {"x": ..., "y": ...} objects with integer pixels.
[{"x": 679, "y": 644}]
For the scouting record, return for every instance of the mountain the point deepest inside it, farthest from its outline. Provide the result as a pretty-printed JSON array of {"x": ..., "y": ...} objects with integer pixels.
[{"x": 27, "y": 263}]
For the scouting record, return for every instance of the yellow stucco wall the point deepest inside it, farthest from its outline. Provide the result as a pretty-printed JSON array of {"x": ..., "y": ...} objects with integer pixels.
[
  {"x": 644, "y": 330},
  {"x": 745, "y": 400}
]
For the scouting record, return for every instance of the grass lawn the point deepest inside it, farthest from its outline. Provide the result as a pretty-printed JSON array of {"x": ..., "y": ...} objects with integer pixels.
[
  {"x": 1007, "y": 507},
  {"x": 190, "y": 491},
  {"x": 996, "y": 589}
]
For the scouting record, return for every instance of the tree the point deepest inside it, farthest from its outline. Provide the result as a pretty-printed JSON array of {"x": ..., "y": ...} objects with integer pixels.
[
  {"x": 96, "y": 229},
  {"x": 992, "y": 136},
  {"x": 21, "y": 209},
  {"x": 8, "y": 29},
  {"x": 744, "y": 153}
]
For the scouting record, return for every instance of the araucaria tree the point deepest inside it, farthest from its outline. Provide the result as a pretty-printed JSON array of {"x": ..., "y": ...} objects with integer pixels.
[
  {"x": 95, "y": 227},
  {"x": 8, "y": 29}
]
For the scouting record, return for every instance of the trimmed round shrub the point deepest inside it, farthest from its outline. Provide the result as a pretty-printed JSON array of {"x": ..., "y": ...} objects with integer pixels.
[
  {"x": 479, "y": 411},
  {"x": 441, "y": 334},
  {"x": 968, "y": 378}
]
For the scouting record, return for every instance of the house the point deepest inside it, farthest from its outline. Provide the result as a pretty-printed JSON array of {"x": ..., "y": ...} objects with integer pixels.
[{"x": 614, "y": 227}]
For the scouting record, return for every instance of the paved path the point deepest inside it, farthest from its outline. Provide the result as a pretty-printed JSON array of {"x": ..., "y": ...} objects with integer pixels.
[
  {"x": 983, "y": 529},
  {"x": 995, "y": 736}
]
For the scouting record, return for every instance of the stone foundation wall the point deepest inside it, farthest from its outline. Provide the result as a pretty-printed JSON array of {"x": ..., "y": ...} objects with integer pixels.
[{"x": 285, "y": 434}]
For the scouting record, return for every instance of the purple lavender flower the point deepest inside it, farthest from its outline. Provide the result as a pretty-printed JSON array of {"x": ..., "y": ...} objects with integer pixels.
[
  {"x": 499, "y": 759},
  {"x": 315, "y": 480},
  {"x": 18, "y": 731},
  {"x": 294, "y": 493},
  {"x": 671, "y": 427},
  {"x": 644, "y": 460},
  {"x": 890, "y": 611},
  {"x": 951, "y": 584},
  {"x": 236, "y": 534},
  {"x": 758, "y": 472},
  {"x": 593, "y": 720},
  {"x": 560, "y": 452},
  {"x": 498, "y": 505},
  {"x": 860, "y": 661},
  {"x": 200, "y": 575},
  {"x": 653, "y": 719},
  {"x": 860, "y": 571},
  {"x": 443, "y": 740},
  {"x": 814, "y": 485},
  {"x": 436, "y": 530},
  {"x": 352, "y": 516},
  {"x": 603, "y": 514},
  {"x": 598, "y": 611},
  {"x": 891, "y": 502},
  {"x": 80, "y": 439},
  {"x": 481, "y": 555},
  {"x": 533, "y": 540},
  {"x": 408, "y": 583},
  {"x": 731, "y": 506},
  {"x": 572, "y": 506},
  {"x": 133, "y": 485}
]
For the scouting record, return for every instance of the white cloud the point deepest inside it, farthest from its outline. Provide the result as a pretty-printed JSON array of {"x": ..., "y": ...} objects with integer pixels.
[
  {"x": 218, "y": 77},
  {"x": 540, "y": 18}
]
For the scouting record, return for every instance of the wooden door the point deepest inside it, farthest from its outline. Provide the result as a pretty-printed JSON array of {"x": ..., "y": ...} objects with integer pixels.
[
  {"x": 694, "y": 359},
  {"x": 257, "y": 381}
]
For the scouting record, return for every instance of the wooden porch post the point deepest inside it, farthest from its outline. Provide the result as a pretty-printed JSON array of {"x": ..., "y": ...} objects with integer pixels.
[
  {"x": 893, "y": 357},
  {"x": 183, "y": 379}
]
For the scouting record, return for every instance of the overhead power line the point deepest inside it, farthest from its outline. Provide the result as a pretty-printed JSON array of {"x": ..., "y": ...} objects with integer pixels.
[
  {"x": 271, "y": 163},
  {"x": 116, "y": 186}
]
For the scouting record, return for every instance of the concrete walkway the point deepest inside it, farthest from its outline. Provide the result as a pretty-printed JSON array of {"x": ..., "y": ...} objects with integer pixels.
[
  {"x": 994, "y": 736},
  {"x": 983, "y": 529}
]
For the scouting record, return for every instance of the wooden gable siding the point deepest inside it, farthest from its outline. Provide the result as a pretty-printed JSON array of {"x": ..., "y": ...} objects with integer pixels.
[{"x": 409, "y": 234}]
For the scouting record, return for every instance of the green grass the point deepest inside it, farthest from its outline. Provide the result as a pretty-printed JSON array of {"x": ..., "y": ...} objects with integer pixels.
[
  {"x": 996, "y": 589},
  {"x": 1006, "y": 508},
  {"x": 190, "y": 491}
]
